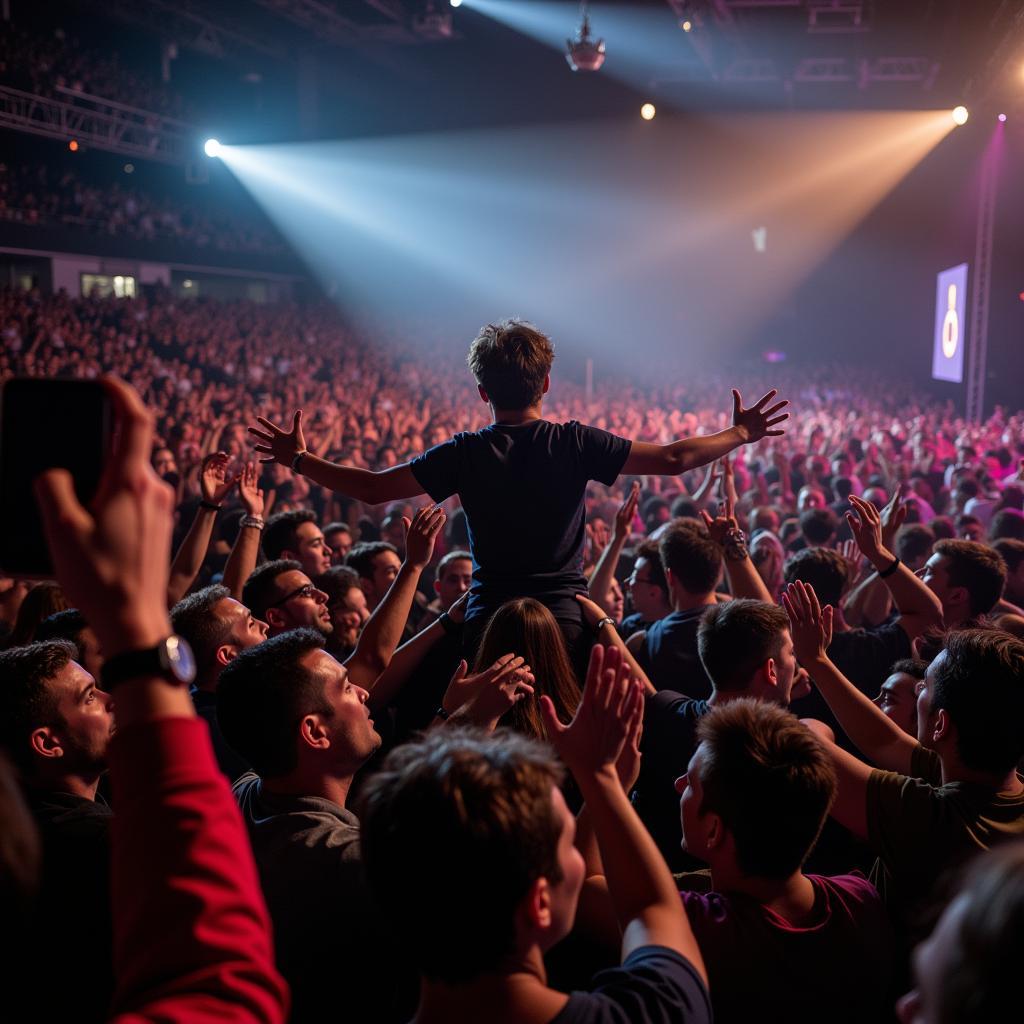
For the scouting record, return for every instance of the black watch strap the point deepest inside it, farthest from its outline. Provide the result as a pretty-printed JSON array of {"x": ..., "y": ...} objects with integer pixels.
[{"x": 171, "y": 659}]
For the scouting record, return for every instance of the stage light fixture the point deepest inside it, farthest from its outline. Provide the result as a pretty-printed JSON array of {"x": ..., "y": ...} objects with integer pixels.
[
  {"x": 584, "y": 53},
  {"x": 455, "y": 3},
  {"x": 647, "y": 111},
  {"x": 960, "y": 115},
  {"x": 212, "y": 148},
  {"x": 73, "y": 145},
  {"x": 686, "y": 25},
  {"x": 1002, "y": 117}
]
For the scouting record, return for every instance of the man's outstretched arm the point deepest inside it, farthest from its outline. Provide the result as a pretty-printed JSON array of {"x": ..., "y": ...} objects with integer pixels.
[
  {"x": 289, "y": 448},
  {"x": 748, "y": 426}
]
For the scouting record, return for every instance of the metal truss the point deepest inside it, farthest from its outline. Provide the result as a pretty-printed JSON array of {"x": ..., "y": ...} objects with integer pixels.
[
  {"x": 101, "y": 123},
  {"x": 325, "y": 21}
]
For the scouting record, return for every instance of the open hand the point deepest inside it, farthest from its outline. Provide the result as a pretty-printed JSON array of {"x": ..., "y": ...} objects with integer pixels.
[
  {"x": 593, "y": 741},
  {"x": 282, "y": 446},
  {"x": 249, "y": 490},
  {"x": 421, "y": 533},
  {"x": 627, "y": 513},
  {"x": 893, "y": 515},
  {"x": 810, "y": 625},
  {"x": 214, "y": 481},
  {"x": 866, "y": 525},
  {"x": 483, "y": 698},
  {"x": 757, "y": 420}
]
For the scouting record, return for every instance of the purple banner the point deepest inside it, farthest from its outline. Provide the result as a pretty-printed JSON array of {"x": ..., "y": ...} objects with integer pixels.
[{"x": 950, "y": 324}]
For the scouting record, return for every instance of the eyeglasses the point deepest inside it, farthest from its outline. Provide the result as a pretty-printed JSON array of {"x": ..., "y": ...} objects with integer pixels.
[
  {"x": 633, "y": 579},
  {"x": 306, "y": 590}
]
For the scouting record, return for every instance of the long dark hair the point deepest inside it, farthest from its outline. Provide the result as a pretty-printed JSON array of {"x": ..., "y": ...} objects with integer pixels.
[{"x": 525, "y": 627}]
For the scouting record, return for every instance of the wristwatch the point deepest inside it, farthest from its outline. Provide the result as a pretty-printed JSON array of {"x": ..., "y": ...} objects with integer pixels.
[{"x": 172, "y": 659}]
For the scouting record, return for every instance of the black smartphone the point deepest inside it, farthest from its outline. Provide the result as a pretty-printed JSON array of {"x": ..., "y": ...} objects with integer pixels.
[{"x": 46, "y": 424}]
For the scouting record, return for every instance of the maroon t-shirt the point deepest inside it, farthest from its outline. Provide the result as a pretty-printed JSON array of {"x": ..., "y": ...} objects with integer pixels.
[{"x": 762, "y": 968}]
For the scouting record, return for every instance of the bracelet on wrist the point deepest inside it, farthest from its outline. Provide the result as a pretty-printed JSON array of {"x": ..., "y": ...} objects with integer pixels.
[
  {"x": 257, "y": 522},
  {"x": 297, "y": 458},
  {"x": 442, "y": 714},
  {"x": 735, "y": 545},
  {"x": 889, "y": 570},
  {"x": 606, "y": 621},
  {"x": 211, "y": 505}
]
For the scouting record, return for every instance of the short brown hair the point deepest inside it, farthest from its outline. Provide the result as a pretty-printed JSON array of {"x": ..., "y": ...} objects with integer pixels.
[
  {"x": 978, "y": 568},
  {"x": 693, "y": 557},
  {"x": 736, "y": 637},
  {"x": 485, "y": 802},
  {"x": 510, "y": 361},
  {"x": 770, "y": 781}
]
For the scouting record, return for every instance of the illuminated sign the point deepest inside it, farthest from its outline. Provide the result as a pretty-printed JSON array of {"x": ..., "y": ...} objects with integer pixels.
[{"x": 950, "y": 324}]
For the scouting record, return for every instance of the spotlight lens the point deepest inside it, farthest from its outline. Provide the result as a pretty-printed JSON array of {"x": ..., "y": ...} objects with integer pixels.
[
  {"x": 960, "y": 115},
  {"x": 1002, "y": 117},
  {"x": 212, "y": 147},
  {"x": 686, "y": 25},
  {"x": 73, "y": 145},
  {"x": 455, "y": 3},
  {"x": 647, "y": 111}
]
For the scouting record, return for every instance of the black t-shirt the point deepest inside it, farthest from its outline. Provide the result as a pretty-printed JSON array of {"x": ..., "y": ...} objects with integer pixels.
[
  {"x": 668, "y": 742},
  {"x": 654, "y": 985},
  {"x": 865, "y": 657},
  {"x": 522, "y": 487},
  {"x": 670, "y": 657}
]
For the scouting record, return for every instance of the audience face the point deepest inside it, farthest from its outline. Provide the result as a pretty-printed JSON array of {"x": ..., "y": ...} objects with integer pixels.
[
  {"x": 456, "y": 580},
  {"x": 565, "y": 894},
  {"x": 301, "y": 604},
  {"x": 340, "y": 544},
  {"x": 926, "y": 720},
  {"x": 385, "y": 569},
  {"x": 810, "y": 497},
  {"x": 348, "y": 616},
  {"x": 954, "y": 599},
  {"x": 697, "y": 827},
  {"x": 246, "y": 630},
  {"x": 311, "y": 549},
  {"x": 86, "y": 716},
  {"x": 350, "y": 729},
  {"x": 898, "y": 700},
  {"x": 649, "y": 600},
  {"x": 972, "y": 531}
]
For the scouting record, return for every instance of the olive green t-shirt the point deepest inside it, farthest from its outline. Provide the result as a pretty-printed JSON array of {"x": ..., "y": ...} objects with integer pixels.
[{"x": 921, "y": 829}]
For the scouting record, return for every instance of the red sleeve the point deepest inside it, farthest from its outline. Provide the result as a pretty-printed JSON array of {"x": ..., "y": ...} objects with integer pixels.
[{"x": 192, "y": 938}]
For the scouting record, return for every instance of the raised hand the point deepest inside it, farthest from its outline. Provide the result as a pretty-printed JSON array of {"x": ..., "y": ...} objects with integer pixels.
[
  {"x": 757, "y": 420},
  {"x": 282, "y": 446},
  {"x": 866, "y": 524},
  {"x": 851, "y": 556},
  {"x": 810, "y": 625},
  {"x": 421, "y": 533},
  {"x": 892, "y": 517},
  {"x": 249, "y": 490},
  {"x": 593, "y": 741},
  {"x": 627, "y": 513},
  {"x": 484, "y": 697},
  {"x": 214, "y": 481},
  {"x": 628, "y": 764},
  {"x": 720, "y": 527}
]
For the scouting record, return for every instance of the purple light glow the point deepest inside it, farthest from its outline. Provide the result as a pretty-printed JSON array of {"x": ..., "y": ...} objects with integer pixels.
[{"x": 1002, "y": 117}]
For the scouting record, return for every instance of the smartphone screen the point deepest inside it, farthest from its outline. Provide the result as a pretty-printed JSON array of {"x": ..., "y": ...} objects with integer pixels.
[{"x": 46, "y": 424}]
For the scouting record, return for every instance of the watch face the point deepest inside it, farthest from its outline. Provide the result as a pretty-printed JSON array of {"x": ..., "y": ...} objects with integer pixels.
[{"x": 180, "y": 659}]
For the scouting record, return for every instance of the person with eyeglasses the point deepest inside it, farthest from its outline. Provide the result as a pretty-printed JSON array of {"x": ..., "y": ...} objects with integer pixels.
[{"x": 284, "y": 597}]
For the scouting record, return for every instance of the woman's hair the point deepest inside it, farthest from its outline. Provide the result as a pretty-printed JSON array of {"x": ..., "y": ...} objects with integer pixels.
[
  {"x": 42, "y": 601},
  {"x": 525, "y": 627}
]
